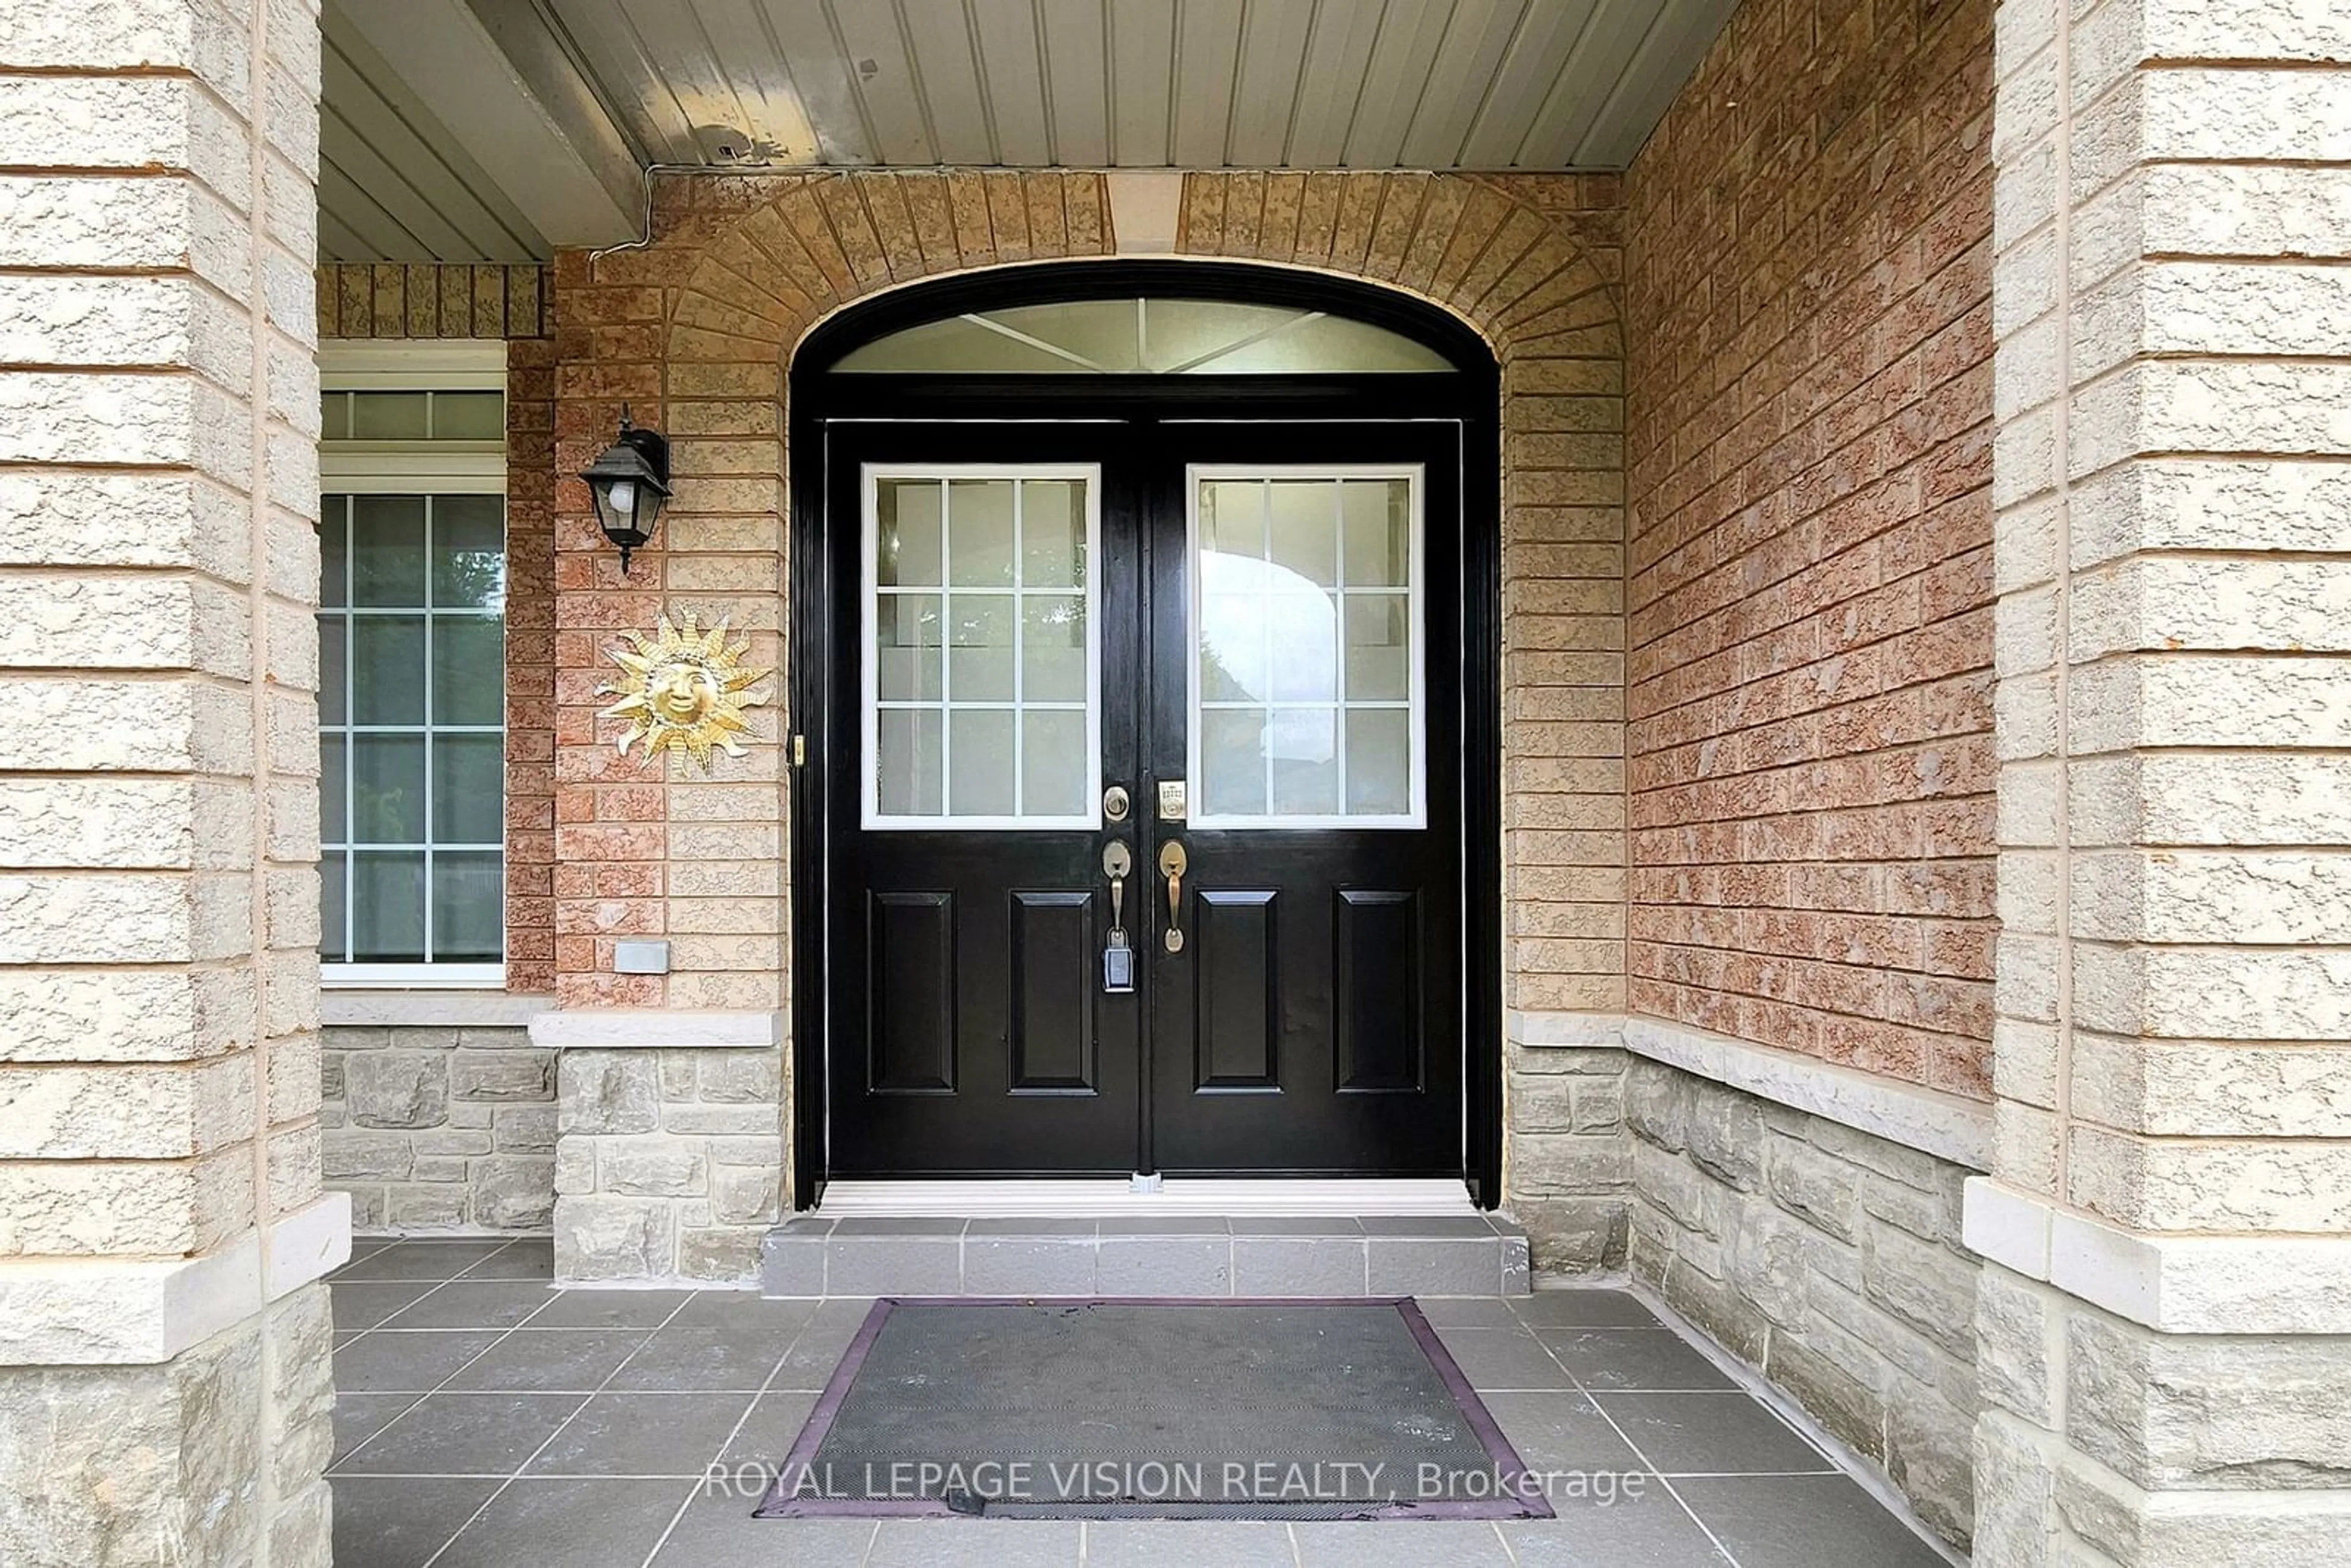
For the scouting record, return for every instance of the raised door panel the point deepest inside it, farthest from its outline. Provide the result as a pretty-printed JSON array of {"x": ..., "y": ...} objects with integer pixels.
[
  {"x": 1377, "y": 967},
  {"x": 1056, "y": 969},
  {"x": 1234, "y": 968},
  {"x": 911, "y": 993}
]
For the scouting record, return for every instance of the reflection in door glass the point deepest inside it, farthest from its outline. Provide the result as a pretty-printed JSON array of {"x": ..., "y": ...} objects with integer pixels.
[
  {"x": 1305, "y": 679},
  {"x": 980, "y": 623},
  {"x": 1052, "y": 533},
  {"x": 980, "y": 534}
]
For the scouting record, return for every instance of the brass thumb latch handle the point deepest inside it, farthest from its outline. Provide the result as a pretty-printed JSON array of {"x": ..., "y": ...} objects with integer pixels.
[
  {"x": 1172, "y": 861},
  {"x": 1116, "y": 863}
]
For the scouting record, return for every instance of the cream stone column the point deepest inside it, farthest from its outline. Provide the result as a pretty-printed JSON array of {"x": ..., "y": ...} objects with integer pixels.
[
  {"x": 163, "y": 1338},
  {"x": 2164, "y": 1321}
]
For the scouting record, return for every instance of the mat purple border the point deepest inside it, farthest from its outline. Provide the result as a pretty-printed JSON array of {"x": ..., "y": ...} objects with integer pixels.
[{"x": 1506, "y": 1504}]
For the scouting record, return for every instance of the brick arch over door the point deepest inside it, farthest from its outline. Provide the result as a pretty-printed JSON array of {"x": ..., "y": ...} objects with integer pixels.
[{"x": 745, "y": 267}]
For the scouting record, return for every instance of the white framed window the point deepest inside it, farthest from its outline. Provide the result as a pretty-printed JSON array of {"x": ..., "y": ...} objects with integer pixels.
[
  {"x": 411, "y": 646},
  {"x": 1307, "y": 695},
  {"x": 981, "y": 646}
]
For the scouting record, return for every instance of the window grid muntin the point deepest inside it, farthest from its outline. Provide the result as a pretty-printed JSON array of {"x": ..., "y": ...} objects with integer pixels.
[
  {"x": 1087, "y": 476},
  {"x": 347, "y": 852},
  {"x": 1263, "y": 477}
]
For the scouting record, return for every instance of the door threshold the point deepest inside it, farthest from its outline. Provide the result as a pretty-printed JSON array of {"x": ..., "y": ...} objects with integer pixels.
[{"x": 1115, "y": 1196}]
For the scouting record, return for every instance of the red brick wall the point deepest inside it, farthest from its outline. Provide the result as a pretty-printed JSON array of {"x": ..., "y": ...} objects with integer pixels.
[
  {"x": 612, "y": 839},
  {"x": 1808, "y": 551},
  {"x": 530, "y": 664}
]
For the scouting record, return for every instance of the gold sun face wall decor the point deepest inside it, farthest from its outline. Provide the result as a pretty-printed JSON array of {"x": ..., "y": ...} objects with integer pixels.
[{"x": 683, "y": 689}]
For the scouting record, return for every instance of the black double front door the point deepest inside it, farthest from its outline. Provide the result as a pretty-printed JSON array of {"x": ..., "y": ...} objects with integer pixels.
[{"x": 1143, "y": 798}]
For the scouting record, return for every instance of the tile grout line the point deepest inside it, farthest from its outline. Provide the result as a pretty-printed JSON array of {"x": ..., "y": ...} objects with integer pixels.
[
  {"x": 1626, "y": 1438},
  {"x": 766, "y": 1385},
  {"x": 799, "y": 1334},
  {"x": 601, "y": 1475},
  {"x": 1747, "y": 1475},
  {"x": 418, "y": 1400},
  {"x": 503, "y": 1486},
  {"x": 413, "y": 1400},
  {"x": 442, "y": 1385}
]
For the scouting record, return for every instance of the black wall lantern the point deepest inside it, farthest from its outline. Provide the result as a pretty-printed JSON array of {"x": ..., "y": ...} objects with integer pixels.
[{"x": 631, "y": 481}]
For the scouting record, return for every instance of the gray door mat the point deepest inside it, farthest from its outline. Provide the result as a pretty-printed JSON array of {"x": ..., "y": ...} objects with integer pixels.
[{"x": 1151, "y": 1410}]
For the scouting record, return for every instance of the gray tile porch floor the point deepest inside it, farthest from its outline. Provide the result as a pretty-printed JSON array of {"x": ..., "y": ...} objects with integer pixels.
[{"x": 484, "y": 1420}]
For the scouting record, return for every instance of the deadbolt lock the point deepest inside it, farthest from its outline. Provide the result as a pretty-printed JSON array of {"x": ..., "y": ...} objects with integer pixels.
[{"x": 1116, "y": 803}]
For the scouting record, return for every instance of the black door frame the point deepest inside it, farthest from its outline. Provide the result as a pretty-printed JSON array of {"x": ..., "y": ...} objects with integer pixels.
[{"x": 1468, "y": 397}]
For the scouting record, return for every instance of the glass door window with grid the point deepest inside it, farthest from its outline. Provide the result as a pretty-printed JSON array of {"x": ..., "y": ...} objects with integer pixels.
[
  {"x": 981, "y": 673},
  {"x": 1306, "y": 690}
]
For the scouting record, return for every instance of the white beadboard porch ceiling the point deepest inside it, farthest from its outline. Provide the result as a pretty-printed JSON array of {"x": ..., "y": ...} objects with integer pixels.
[
  {"x": 394, "y": 183},
  {"x": 1429, "y": 83},
  {"x": 490, "y": 130}
]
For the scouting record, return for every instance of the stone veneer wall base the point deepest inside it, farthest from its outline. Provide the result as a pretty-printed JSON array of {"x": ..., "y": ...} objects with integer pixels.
[
  {"x": 2106, "y": 1442},
  {"x": 1865, "y": 1473},
  {"x": 1766, "y": 1208},
  {"x": 1826, "y": 1258},
  {"x": 440, "y": 1129},
  {"x": 669, "y": 1146}
]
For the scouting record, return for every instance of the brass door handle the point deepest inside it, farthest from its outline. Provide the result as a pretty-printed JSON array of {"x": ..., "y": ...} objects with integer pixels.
[
  {"x": 1116, "y": 863},
  {"x": 1172, "y": 862},
  {"x": 1118, "y": 959}
]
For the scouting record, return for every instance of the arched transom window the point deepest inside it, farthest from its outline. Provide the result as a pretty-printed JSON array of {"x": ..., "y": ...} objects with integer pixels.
[{"x": 1145, "y": 337}]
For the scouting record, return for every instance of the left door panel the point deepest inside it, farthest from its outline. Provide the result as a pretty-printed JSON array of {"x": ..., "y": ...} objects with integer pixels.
[{"x": 987, "y": 583}]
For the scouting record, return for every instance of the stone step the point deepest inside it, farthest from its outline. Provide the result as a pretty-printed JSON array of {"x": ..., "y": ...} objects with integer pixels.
[{"x": 1255, "y": 1255}]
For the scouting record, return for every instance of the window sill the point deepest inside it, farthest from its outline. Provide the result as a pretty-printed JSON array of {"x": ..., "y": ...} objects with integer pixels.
[{"x": 378, "y": 1006}]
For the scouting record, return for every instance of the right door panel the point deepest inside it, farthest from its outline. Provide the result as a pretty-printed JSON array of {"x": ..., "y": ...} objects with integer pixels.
[{"x": 1304, "y": 675}]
